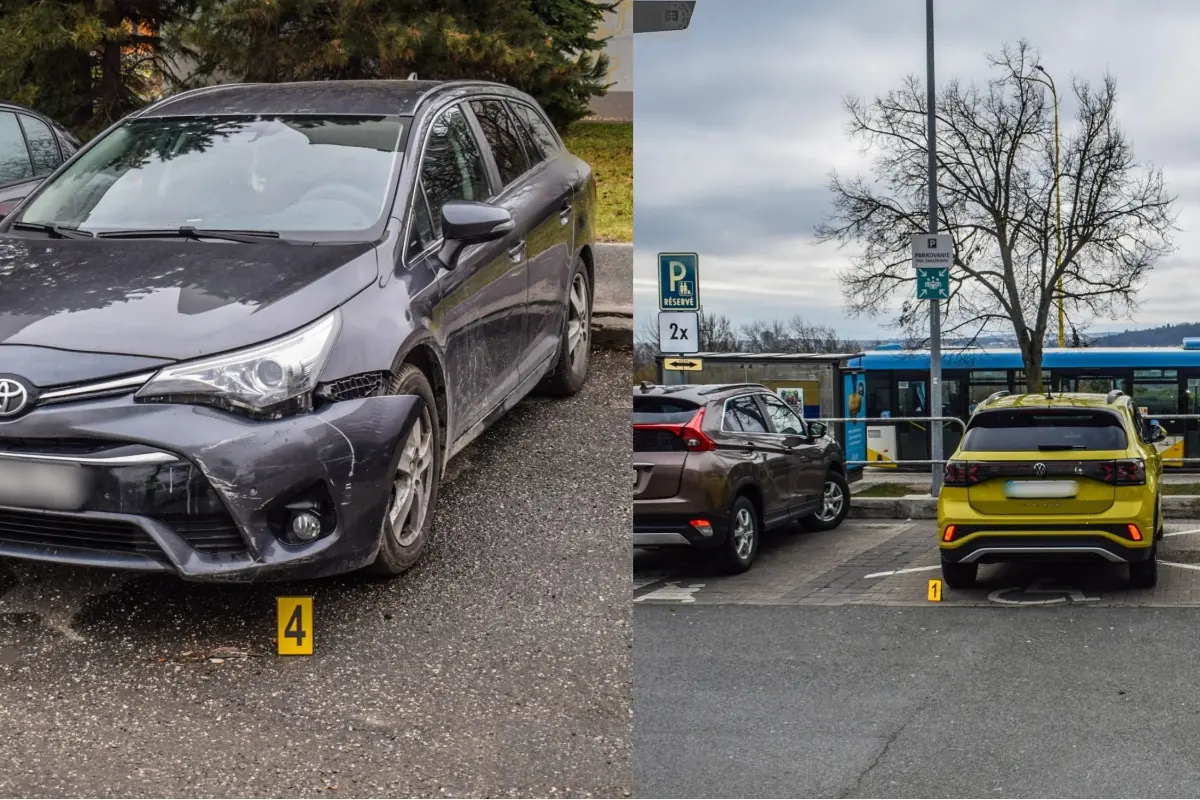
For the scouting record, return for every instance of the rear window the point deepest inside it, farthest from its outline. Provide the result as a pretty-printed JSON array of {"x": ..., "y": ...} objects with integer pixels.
[
  {"x": 660, "y": 411},
  {"x": 1045, "y": 431}
]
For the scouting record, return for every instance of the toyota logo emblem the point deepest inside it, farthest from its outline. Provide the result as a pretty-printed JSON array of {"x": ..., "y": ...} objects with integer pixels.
[
  {"x": 1039, "y": 468},
  {"x": 13, "y": 397}
]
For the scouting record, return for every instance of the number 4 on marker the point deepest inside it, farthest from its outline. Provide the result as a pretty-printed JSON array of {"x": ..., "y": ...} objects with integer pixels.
[{"x": 294, "y": 624}]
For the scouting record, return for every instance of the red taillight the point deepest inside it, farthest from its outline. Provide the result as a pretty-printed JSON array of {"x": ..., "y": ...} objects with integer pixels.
[
  {"x": 948, "y": 535},
  {"x": 1131, "y": 472},
  {"x": 1134, "y": 532},
  {"x": 960, "y": 473},
  {"x": 693, "y": 437}
]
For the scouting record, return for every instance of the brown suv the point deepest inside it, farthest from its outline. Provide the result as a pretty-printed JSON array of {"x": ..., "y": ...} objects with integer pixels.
[{"x": 716, "y": 465}]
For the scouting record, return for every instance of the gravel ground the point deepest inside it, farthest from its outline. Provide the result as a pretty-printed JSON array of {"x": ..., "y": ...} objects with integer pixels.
[{"x": 499, "y": 666}]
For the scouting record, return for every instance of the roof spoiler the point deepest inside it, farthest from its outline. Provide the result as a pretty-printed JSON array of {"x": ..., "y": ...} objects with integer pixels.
[{"x": 1113, "y": 395}]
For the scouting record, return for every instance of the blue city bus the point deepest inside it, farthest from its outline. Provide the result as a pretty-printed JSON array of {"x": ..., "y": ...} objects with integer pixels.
[{"x": 1161, "y": 380}]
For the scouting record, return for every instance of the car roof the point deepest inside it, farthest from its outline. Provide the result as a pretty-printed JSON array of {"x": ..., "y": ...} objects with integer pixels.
[
  {"x": 368, "y": 97},
  {"x": 699, "y": 393},
  {"x": 1061, "y": 400}
]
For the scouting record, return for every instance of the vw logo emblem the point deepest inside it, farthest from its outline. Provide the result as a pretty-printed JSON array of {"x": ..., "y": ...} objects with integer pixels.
[
  {"x": 1039, "y": 468},
  {"x": 14, "y": 397}
]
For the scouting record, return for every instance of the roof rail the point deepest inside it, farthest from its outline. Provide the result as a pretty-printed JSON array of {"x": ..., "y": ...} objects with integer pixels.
[
  {"x": 1113, "y": 395},
  {"x": 412, "y": 76},
  {"x": 995, "y": 396},
  {"x": 725, "y": 387}
]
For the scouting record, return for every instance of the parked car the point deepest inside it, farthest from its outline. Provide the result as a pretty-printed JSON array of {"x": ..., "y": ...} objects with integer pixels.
[
  {"x": 244, "y": 329},
  {"x": 1062, "y": 477},
  {"x": 31, "y": 147},
  {"x": 716, "y": 465}
]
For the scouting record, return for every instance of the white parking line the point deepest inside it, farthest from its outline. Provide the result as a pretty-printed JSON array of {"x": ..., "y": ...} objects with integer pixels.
[
  {"x": 1174, "y": 564},
  {"x": 899, "y": 572},
  {"x": 1181, "y": 533}
]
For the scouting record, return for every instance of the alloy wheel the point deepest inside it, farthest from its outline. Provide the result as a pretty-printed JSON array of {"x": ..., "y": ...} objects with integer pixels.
[
  {"x": 579, "y": 322},
  {"x": 831, "y": 503},
  {"x": 743, "y": 533},
  {"x": 413, "y": 484}
]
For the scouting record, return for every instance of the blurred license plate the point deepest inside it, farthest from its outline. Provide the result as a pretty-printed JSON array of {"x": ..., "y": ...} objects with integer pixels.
[
  {"x": 37, "y": 484},
  {"x": 1040, "y": 490}
]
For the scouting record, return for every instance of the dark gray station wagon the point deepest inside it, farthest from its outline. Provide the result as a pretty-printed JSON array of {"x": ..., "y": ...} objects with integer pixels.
[{"x": 242, "y": 331}]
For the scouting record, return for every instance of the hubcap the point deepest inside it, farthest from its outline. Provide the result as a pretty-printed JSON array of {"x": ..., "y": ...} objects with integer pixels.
[
  {"x": 413, "y": 484},
  {"x": 579, "y": 322},
  {"x": 743, "y": 533},
  {"x": 831, "y": 505}
]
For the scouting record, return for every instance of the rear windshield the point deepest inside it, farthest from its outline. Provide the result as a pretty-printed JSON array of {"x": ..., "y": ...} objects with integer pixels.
[
  {"x": 1044, "y": 430},
  {"x": 662, "y": 410}
]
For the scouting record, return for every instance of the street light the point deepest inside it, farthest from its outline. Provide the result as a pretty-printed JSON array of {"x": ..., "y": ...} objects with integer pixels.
[{"x": 1057, "y": 200}]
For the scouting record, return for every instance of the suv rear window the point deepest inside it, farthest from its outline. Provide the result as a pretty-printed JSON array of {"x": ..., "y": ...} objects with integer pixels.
[
  {"x": 1044, "y": 430},
  {"x": 660, "y": 411}
]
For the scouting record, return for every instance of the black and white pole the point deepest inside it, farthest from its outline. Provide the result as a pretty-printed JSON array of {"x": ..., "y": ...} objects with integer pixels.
[{"x": 935, "y": 310}]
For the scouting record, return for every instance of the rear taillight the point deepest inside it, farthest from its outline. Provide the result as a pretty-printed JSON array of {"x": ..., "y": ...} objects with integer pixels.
[
  {"x": 1128, "y": 472},
  {"x": 948, "y": 534},
  {"x": 694, "y": 439},
  {"x": 960, "y": 473},
  {"x": 1131, "y": 472}
]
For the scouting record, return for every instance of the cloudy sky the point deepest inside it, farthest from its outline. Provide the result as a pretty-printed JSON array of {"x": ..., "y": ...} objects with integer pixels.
[{"x": 739, "y": 120}]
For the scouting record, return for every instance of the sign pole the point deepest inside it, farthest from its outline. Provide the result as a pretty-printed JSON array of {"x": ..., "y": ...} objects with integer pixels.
[{"x": 935, "y": 310}]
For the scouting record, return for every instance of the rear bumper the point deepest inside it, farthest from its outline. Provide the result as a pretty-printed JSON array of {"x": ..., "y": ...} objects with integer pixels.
[
  {"x": 674, "y": 530},
  {"x": 200, "y": 493},
  {"x": 1031, "y": 544}
]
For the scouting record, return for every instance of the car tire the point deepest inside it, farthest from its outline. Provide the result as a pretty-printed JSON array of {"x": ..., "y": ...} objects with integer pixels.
[
  {"x": 403, "y": 541},
  {"x": 959, "y": 576},
  {"x": 570, "y": 371},
  {"x": 737, "y": 553},
  {"x": 1144, "y": 574},
  {"x": 835, "y": 499}
]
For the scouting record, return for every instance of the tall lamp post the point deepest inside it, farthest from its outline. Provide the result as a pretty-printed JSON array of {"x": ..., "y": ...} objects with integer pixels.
[{"x": 1062, "y": 338}]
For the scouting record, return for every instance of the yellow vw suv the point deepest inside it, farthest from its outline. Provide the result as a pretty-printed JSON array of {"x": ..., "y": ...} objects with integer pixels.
[{"x": 1069, "y": 476}]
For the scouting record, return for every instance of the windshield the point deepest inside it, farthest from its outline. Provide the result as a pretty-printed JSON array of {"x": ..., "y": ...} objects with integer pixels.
[
  {"x": 1016, "y": 430},
  {"x": 268, "y": 173}
]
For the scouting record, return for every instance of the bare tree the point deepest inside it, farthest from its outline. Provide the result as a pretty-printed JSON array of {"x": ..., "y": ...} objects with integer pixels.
[
  {"x": 716, "y": 333},
  {"x": 996, "y": 190},
  {"x": 810, "y": 338},
  {"x": 767, "y": 337}
]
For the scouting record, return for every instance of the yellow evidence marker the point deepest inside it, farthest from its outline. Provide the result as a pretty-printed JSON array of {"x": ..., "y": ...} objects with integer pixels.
[
  {"x": 935, "y": 590},
  {"x": 294, "y": 625}
]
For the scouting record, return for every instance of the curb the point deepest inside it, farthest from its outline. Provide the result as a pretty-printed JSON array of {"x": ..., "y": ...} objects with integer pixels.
[
  {"x": 612, "y": 331},
  {"x": 917, "y": 506}
]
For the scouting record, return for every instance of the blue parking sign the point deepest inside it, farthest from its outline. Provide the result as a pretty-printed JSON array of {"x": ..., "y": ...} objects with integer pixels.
[{"x": 678, "y": 282}]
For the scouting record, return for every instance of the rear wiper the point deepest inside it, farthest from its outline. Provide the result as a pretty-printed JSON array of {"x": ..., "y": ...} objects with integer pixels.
[
  {"x": 1053, "y": 447},
  {"x": 54, "y": 229},
  {"x": 188, "y": 232}
]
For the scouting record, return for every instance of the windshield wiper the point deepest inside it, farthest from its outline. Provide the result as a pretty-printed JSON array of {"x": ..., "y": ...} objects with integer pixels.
[
  {"x": 54, "y": 229},
  {"x": 1053, "y": 447},
  {"x": 188, "y": 232}
]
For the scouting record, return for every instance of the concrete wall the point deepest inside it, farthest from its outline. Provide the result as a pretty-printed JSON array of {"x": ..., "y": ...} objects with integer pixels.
[{"x": 618, "y": 103}]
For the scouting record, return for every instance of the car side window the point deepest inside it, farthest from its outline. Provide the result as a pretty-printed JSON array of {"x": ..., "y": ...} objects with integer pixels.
[
  {"x": 503, "y": 137},
  {"x": 14, "y": 155},
  {"x": 538, "y": 128},
  {"x": 42, "y": 145},
  {"x": 1140, "y": 426},
  {"x": 747, "y": 414},
  {"x": 452, "y": 168},
  {"x": 782, "y": 417},
  {"x": 422, "y": 233},
  {"x": 729, "y": 420}
]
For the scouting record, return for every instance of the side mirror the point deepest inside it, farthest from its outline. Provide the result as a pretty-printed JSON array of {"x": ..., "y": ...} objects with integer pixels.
[
  {"x": 1157, "y": 434},
  {"x": 465, "y": 223},
  {"x": 816, "y": 429}
]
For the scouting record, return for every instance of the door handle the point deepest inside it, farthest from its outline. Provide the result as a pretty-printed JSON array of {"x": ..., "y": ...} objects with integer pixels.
[
  {"x": 564, "y": 216},
  {"x": 517, "y": 251}
]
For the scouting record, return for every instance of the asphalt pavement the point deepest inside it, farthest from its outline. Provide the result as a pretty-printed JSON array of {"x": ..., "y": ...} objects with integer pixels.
[
  {"x": 498, "y": 666},
  {"x": 872, "y": 701}
]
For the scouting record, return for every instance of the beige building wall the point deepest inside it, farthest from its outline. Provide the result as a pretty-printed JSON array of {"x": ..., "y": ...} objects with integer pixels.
[{"x": 618, "y": 26}]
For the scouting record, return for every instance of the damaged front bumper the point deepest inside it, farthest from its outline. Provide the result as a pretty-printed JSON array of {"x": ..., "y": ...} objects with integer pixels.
[{"x": 197, "y": 491}]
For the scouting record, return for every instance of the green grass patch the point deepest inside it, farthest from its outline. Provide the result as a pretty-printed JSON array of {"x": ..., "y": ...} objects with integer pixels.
[
  {"x": 890, "y": 490},
  {"x": 608, "y": 147}
]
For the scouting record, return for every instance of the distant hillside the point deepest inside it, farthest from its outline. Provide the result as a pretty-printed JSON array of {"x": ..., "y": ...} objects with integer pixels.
[{"x": 1166, "y": 336}]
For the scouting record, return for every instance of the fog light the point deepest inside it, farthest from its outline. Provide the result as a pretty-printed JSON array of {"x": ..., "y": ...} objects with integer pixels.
[
  {"x": 306, "y": 526},
  {"x": 702, "y": 526}
]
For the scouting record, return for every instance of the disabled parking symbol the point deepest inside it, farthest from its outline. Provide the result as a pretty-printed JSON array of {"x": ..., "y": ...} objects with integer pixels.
[{"x": 1039, "y": 593}]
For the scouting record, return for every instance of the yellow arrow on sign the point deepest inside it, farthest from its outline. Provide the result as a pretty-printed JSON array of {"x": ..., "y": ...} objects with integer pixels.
[{"x": 684, "y": 364}]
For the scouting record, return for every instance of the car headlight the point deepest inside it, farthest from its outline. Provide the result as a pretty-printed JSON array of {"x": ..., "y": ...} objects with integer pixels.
[{"x": 266, "y": 381}]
